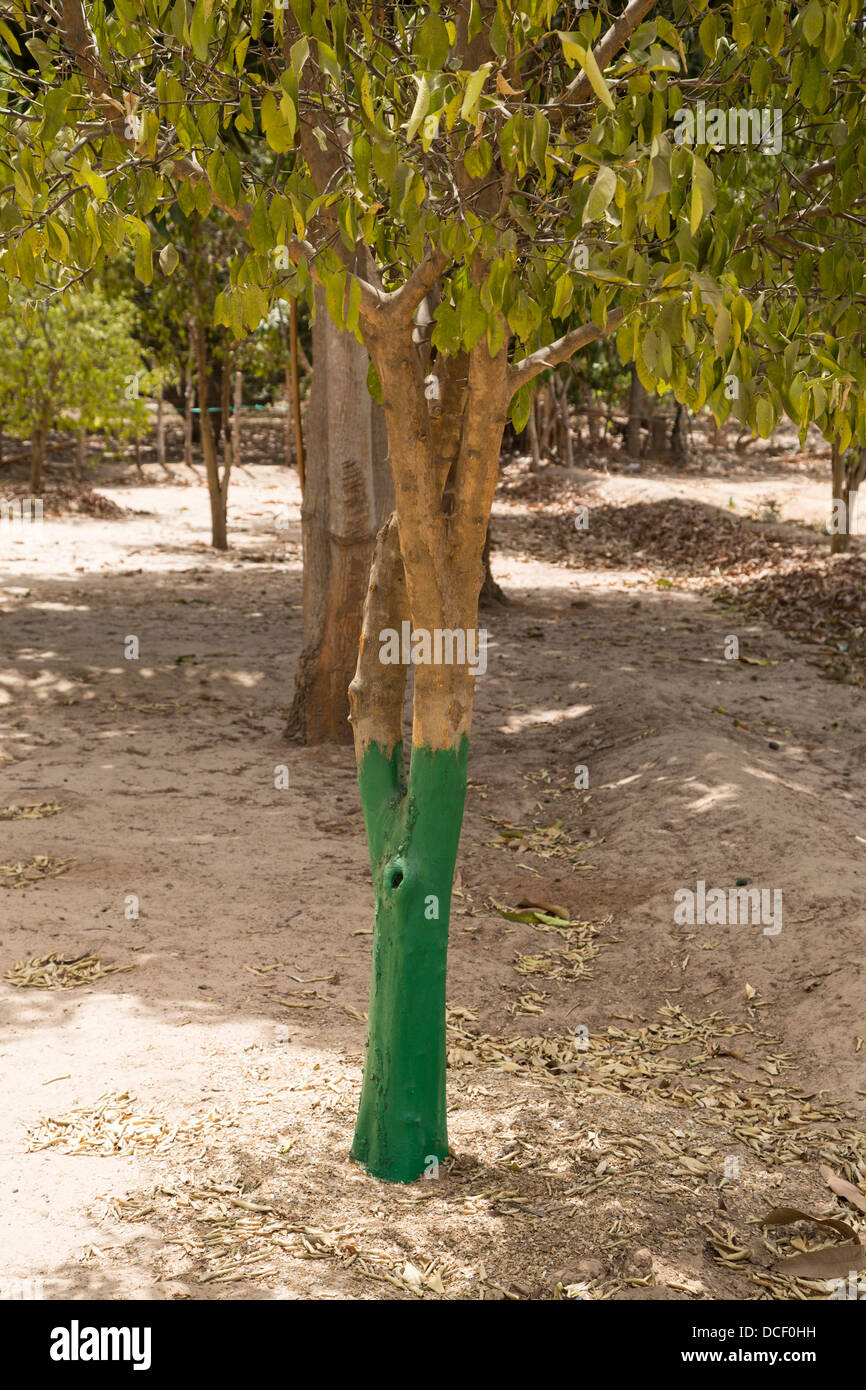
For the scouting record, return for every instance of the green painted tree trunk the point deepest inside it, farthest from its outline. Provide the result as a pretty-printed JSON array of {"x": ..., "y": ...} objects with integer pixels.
[{"x": 413, "y": 834}]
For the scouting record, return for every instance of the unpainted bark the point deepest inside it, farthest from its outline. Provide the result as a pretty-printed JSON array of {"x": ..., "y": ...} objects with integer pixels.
[{"x": 346, "y": 494}]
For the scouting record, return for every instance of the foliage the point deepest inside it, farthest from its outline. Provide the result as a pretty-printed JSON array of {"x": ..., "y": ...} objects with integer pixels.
[
  {"x": 75, "y": 365},
  {"x": 493, "y": 135}
]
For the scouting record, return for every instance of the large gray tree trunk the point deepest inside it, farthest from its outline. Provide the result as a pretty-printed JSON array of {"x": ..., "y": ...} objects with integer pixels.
[{"x": 347, "y": 494}]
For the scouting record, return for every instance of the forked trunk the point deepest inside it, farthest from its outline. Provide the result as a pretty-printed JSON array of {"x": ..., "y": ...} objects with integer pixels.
[{"x": 426, "y": 576}]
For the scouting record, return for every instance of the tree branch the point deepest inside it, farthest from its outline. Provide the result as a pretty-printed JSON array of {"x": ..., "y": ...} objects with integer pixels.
[
  {"x": 403, "y": 302},
  {"x": 607, "y": 47},
  {"x": 560, "y": 351}
]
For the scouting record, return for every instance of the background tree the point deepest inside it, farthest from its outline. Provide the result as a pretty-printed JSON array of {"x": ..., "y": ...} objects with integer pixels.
[{"x": 71, "y": 364}]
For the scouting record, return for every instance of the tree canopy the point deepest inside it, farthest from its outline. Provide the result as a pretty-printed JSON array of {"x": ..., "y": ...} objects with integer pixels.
[{"x": 690, "y": 175}]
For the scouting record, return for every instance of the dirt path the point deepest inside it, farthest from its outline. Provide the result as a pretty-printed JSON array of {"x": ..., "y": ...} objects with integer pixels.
[{"x": 593, "y": 1152}]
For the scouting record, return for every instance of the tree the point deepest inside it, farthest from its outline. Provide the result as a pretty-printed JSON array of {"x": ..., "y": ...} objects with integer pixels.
[
  {"x": 73, "y": 365},
  {"x": 480, "y": 192}
]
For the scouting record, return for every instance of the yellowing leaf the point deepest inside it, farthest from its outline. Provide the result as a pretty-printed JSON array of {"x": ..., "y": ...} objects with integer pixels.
[
  {"x": 472, "y": 95},
  {"x": 419, "y": 110},
  {"x": 586, "y": 58},
  {"x": 600, "y": 195}
]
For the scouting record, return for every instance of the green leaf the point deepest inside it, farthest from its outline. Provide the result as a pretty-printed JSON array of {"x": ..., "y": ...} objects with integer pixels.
[
  {"x": 703, "y": 193},
  {"x": 600, "y": 195},
  {"x": 812, "y": 22},
  {"x": 374, "y": 385},
  {"x": 765, "y": 416},
  {"x": 143, "y": 258},
  {"x": 278, "y": 122},
  {"x": 521, "y": 404},
  {"x": 473, "y": 318},
  {"x": 708, "y": 33},
  {"x": 562, "y": 296},
  {"x": 432, "y": 43},
  {"x": 168, "y": 259},
  {"x": 776, "y": 30}
]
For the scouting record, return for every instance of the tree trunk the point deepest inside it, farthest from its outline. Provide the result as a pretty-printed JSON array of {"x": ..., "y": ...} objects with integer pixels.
[
  {"x": 426, "y": 574},
  {"x": 532, "y": 426},
  {"x": 490, "y": 590},
  {"x": 81, "y": 453},
  {"x": 346, "y": 493},
  {"x": 839, "y": 539},
  {"x": 187, "y": 417},
  {"x": 217, "y": 489},
  {"x": 565, "y": 415},
  {"x": 38, "y": 440},
  {"x": 413, "y": 831},
  {"x": 296, "y": 394},
  {"x": 236, "y": 419},
  {"x": 160, "y": 432},
  {"x": 658, "y": 435},
  {"x": 226, "y": 406},
  {"x": 636, "y": 412}
]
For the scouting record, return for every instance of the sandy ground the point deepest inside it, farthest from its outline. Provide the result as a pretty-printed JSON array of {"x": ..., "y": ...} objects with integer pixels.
[{"x": 623, "y": 1097}]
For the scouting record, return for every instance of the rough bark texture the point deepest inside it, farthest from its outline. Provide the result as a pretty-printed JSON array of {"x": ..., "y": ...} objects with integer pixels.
[{"x": 346, "y": 493}]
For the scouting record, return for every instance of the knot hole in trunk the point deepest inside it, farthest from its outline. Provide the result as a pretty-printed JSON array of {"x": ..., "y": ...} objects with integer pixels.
[{"x": 394, "y": 874}]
